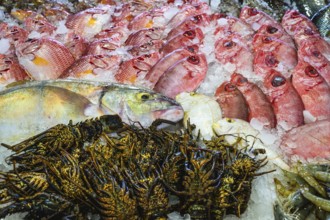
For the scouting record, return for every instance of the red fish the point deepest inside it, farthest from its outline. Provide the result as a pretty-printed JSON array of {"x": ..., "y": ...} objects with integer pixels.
[
  {"x": 310, "y": 53},
  {"x": 10, "y": 70},
  {"x": 149, "y": 19},
  {"x": 229, "y": 25},
  {"x": 76, "y": 44},
  {"x": 89, "y": 22},
  {"x": 268, "y": 37},
  {"x": 102, "y": 47},
  {"x": 187, "y": 38},
  {"x": 131, "y": 71},
  {"x": 257, "y": 18},
  {"x": 283, "y": 59},
  {"x": 118, "y": 32},
  {"x": 34, "y": 22},
  {"x": 13, "y": 33},
  {"x": 164, "y": 64},
  {"x": 231, "y": 101},
  {"x": 187, "y": 11},
  {"x": 287, "y": 104},
  {"x": 184, "y": 76},
  {"x": 293, "y": 22},
  {"x": 44, "y": 58},
  {"x": 233, "y": 52},
  {"x": 95, "y": 67},
  {"x": 259, "y": 106},
  {"x": 310, "y": 141},
  {"x": 313, "y": 90},
  {"x": 144, "y": 36},
  {"x": 201, "y": 20}
]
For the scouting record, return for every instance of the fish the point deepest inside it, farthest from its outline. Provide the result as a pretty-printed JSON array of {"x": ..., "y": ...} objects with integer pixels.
[
  {"x": 231, "y": 101},
  {"x": 244, "y": 135},
  {"x": 283, "y": 59},
  {"x": 313, "y": 90},
  {"x": 268, "y": 34},
  {"x": 186, "y": 11},
  {"x": 310, "y": 53},
  {"x": 89, "y": 22},
  {"x": 200, "y": 20},
  {"x": 321, "y": 19},
  {"x": 229, "y": 25},
  {"x": 102, "y": 47},
  {"x": 259, "y": 106},
  {"x": 149, "y": 19},
  {"x": 234, "y": 54},
  {"x": 34, "y": 22},
  {"x": 165, "y": 63},
  {"x": 185, "y": 76},
  {"x": 145, "y": 36},
  {"x": 308, "y": 142},
  {"x": 36, "y": 106},
  {"x": 94, "y": 67},
  {"x": 287, "y": 104},
  {"x": 256, "y": 18},
  {"x": 10, "y": 70},
  {"x": 200, "y": 110},
  {"x": 14, "y": 34},
  {"x": 133, "y": 70},
  {"x": 187, "y": 38},
  {"x": 76, "y": 44},
  {"x": 293, "y": 22},
  {"x": 44, "y": 58}
]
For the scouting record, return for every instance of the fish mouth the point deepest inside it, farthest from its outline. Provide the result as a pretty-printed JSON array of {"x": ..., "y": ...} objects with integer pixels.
[{"x": 173, "y": 113}]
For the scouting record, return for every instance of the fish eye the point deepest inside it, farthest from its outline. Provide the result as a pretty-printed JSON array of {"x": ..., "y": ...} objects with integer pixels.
[
  {"x": 144, "y": 96},
  {"x": 196, "y": 19},
  {"x": 229, "y": 87},
  {"x": 241, "y": 80},
  {"x": 278, "y": 81},
  {"x": 190, "y": 34},
  {"x": 229, "y": 44},
  {"x": 193, "y": 59},
  {"x": 271, "y": 29},
  {"x": 252, "y": 11},
  {"x": 270, "y": 60},
  {"x": 311, "y": 71},
  {"x": 316, "y": 54},
  {"x": 267, "y": 39}
]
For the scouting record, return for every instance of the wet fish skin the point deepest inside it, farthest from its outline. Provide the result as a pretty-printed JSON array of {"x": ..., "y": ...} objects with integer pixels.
[
  {"x": 133, "y": 70},
  {"x": 185, "y": 76},
  {"x": 187, "y": 38},
  {"x": 310, "y": 141},
  {"x": 313, "y": 90},
  {"x": 10, "y": 70},
  {"x": 36, "y": 106},
  {"x": 44, "y": 58},
  {"x": 102, "y": 47},
  {"x": 259, "y": 106},
  {"x": 287, "y": 104},
  {"x": 231, "y": 101},
  {"x": 234, "y": 53},
  {"x": 321, "y": 18},
  {"x": 165, "y": 63},
  {"x": 94, "y": 67}
]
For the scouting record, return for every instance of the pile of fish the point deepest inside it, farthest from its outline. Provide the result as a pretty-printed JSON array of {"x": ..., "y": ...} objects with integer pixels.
[
  {"x": 226, "y": 71},
  {"x": 120, "y": 171}
]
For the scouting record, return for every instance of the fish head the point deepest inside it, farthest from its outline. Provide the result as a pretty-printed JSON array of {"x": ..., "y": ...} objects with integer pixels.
[
  {"x": 29, "y": 47},
  {"x": 239, "y": 80},
  {"x": 227, "y": 88},
  {"x": 275, "y": 83},
  {"x": 308, "y": 76},
  {"x": 141, "y": 105}
]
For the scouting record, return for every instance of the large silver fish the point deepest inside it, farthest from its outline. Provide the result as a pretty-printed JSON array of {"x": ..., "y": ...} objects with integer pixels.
[{"x": 33, "y": 107}]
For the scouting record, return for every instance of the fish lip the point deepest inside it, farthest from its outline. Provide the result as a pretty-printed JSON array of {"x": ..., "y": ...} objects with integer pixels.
[{"x": 173, "y": 113}]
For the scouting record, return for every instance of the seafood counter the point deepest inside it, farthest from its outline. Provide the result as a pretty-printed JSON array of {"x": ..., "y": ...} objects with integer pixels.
[{"x": 165, "y": 109}]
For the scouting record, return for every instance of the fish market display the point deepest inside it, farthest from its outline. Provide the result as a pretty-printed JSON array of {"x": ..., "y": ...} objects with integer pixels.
[
  {"x": 110, "y": 168},
  {"x": 54, "y": 102},
  {"x": 257, "y": 72}
]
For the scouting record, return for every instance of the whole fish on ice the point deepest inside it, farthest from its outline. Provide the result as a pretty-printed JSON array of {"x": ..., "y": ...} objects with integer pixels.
[{"x": 36, "y": 106}]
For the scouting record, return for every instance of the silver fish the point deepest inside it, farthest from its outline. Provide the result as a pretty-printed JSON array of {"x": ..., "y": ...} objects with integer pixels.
[{"x": 33, "y": 107}]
